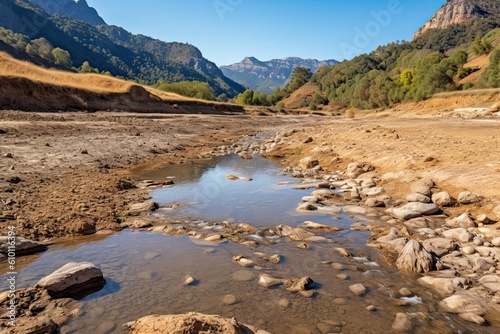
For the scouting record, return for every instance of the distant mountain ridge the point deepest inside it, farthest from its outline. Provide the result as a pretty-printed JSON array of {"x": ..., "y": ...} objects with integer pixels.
[
  {"x": 266, "y": 76},
  {"x": 460, "y": 11},
  {"x": 108, "y": 48}
]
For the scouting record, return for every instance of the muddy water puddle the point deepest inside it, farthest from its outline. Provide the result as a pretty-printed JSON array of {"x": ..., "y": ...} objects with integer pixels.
[{"x": 145, "y": 271}]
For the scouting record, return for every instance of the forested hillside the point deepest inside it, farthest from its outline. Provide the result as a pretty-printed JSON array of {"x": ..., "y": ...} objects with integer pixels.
[
  {"x": 103, "y": 48},
  {"x": 433, "y": 62}
]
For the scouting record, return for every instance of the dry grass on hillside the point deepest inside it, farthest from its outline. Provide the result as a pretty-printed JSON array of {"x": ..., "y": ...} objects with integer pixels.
[
  {"x": 98, "y": 83},
  {"x": 24, "y": 86}
]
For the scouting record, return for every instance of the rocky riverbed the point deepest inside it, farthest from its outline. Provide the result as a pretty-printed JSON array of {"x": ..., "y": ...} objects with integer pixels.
[{"x": 443, "y": 233}]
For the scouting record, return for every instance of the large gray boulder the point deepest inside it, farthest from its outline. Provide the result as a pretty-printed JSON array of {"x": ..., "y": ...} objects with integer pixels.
[
  {"x": 22, "y": 246},
  {"x": 73, "y": 279}
]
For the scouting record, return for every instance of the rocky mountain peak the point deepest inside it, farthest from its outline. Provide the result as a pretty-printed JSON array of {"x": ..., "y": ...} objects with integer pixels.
[
  {"x": 455, "y": 12},
  {"x": 79, "y": 10},
  {"x": 266, "y": 76}
]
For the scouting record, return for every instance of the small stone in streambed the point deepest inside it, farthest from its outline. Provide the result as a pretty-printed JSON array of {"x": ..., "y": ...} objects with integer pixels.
[
  {"x": 402, "y": 323},
  {"x": 405, "y": 292},
  {"x": 358, "y": 289},
  {"x": 338, "y": 266},
  {"x": 339, "y": 301},
  {"x": 276, "y": 258},
  {"x": 307, "y": 293},
  {"x": 189, "y": 280},
  {"x": 150, "y": 256},
  {"x": 243, "y": 276},
  {"x": 229, "y": 300},
  {"x": 284, "y": 303},
  {"x": 343, "y": 277},
  {"x": 341, "y": 251},
  {"x": 371, "y": 308}
]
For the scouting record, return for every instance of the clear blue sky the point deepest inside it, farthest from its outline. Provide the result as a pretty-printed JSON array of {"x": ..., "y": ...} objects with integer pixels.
[{"x": 226, "y": 31}]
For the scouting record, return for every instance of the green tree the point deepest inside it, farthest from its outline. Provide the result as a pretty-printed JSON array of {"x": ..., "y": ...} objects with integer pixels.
[
  {"x": 481, "y": 45},
  {"x": 406, "y": 77},
  {"x": 62, "y": 57},
  {"x": 86, "y": 68},
  {"x": 459, "y": 58},
  {"x": 491, "y": 76},
  {"x": 300, "y": 76}
]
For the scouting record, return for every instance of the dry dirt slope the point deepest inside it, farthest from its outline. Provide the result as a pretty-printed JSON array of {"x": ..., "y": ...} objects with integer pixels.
[{"x": 24, "y": 86}]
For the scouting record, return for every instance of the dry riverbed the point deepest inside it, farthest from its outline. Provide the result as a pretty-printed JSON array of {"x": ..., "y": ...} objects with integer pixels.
[{"x": 427, "y": 188}]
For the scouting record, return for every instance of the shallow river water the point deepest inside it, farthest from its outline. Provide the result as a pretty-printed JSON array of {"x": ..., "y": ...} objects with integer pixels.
[{"x": 145, "y": 271}]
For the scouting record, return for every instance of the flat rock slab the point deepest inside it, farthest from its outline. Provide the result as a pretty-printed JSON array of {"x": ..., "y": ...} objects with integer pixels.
[
  {"x": 358, "y": 289},
  {"x": 403, "y": 214},
  {"x": 73, "y": 279},
  {"x": 463, "y": 303},
  {"x": 189, "y": 323},
  {"x": 22, "y": 246},
  {"x": 421, "y": 208},
  {"x": 444, "y": 285}
]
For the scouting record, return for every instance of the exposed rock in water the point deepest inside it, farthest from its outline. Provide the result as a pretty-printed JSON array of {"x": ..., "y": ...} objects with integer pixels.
[
  {"x": 358, "y": 289},
  {"x": 296, "y": 234},
  {"x": 23, "y": 246},
  {"x": 444, "y": 285},
  {"x": 188, "y": 280},
  {"x": 414, "y": 258},
  {"x": 236, "y": 178},
  {"x": 73, "y": 279},
  {"x": 463, "y": 303},
  {"x": 341, "y": 251},
  {"x": 320, "y": 227},
  {"x": 138, "y": 208},
  {"x": 189, "y": 323},
  {"x": 243, "y": 261},
  {"x": 474, "y": 318},
  {"x": 298, "y": 284},
  {"x": 267, "y": 281},
  {"x": 402, "y": 323}
]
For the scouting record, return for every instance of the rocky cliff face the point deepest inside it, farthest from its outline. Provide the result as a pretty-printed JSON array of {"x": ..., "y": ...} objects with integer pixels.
[
  {"x": 458, "y": 11},
  {"x": 266, "y": 76},
  {"x": 78, "y": 10}
]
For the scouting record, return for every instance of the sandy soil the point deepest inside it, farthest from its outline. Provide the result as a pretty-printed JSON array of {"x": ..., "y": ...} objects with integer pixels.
[
  {"x": 65, "y": 174},
  {"x": 457, "y": 154}
]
